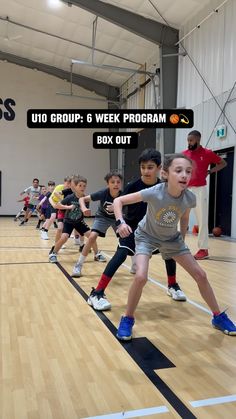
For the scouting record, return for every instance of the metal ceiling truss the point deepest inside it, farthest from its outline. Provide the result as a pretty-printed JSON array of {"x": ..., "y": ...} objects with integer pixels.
[
  {"x": 146, "y": 28},
  {"x": 95, "y": 86},
  {"x": 31, "y": 28},
  {"x": 116, "y": 103},
  {"x": 113, "y": 67},
  {"x": 162, "y": 34}
]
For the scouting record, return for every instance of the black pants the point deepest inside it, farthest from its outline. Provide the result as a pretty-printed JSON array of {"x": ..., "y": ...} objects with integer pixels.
[{"x": 121, "y": 255}]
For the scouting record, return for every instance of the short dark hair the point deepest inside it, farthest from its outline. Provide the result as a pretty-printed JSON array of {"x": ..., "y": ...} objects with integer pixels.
[
  {"x": 150, "y": 154},
  {"x": 35, "y": 180},
  {"x": 67, "y": 179},
  {"x": 76, "y": 179},
  {"x": 195, "y": 133},
  {"x": 51, "y": 183},
  {"x": 112, "y": 173}
]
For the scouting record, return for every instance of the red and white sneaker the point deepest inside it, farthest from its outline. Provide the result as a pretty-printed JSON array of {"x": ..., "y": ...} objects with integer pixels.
[{"x": 201, "y": 254}]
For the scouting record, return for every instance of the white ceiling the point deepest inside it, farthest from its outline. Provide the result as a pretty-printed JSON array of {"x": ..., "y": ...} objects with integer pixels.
[{"x": 72, "y": 26}]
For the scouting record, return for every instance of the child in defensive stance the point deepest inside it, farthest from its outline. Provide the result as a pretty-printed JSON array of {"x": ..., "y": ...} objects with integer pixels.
[
  {"x": 168, "y": 204},
  {"x": 104, "y": 217},
  {"x": 150, "y": 165}
]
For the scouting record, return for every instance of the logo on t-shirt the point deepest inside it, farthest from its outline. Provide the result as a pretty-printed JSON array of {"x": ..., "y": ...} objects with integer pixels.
[
  {"x": 75, "y": 214},
  {"x": 168, "y": 216},
  {"x": 105, "y": 207}
]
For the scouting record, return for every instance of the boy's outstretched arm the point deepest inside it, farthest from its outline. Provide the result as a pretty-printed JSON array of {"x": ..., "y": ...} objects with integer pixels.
[
  {"x": 82, "y": 201},
  {"x": 124, "y": 229}
]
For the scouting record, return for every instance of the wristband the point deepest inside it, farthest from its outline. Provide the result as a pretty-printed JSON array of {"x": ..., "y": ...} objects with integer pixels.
[{"x": 119, "y": 222}]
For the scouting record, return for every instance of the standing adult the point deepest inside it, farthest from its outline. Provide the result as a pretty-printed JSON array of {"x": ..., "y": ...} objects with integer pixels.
[{"x": 202, "y": 158}]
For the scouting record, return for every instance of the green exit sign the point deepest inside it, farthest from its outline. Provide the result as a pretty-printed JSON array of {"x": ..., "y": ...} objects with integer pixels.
[{"x": 221, "y": 131}]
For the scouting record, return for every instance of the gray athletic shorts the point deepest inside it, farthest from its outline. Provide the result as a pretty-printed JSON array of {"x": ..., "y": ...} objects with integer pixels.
[
  {"x": 145, "y": 244},
  {"x": 101, "y": 225}
]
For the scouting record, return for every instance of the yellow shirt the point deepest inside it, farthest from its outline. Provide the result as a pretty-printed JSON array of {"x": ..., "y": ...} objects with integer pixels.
[{"x": 54, "y": 198}]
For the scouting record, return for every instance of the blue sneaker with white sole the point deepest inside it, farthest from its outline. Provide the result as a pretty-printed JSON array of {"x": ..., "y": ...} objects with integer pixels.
[
  {"x": 223, "y": 323},
  {"x": 124, "y": 331}
]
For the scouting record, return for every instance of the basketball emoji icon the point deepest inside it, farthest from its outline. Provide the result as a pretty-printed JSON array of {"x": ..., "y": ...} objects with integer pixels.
[{"x": 174, "y": 118}]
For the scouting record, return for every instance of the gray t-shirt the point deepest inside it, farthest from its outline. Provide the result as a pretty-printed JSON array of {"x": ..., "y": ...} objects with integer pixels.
[
  {"x": 164, "y": 211},
  {"x": 34, "y": 194}
]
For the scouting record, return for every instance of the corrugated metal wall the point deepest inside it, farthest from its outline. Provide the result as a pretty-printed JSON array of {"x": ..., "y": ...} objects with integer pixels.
[{"x": 212, "y": 48}]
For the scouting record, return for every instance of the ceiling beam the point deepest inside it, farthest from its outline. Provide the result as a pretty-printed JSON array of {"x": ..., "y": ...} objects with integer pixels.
[
  {"x": 146, "y": 28},
  {"x": 96, "y": 86}
]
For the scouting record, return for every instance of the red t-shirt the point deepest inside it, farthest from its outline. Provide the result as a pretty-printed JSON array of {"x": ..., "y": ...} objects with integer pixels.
[
  {"x": 26, "y": 200},
  {"x": 202, "y": 158}
]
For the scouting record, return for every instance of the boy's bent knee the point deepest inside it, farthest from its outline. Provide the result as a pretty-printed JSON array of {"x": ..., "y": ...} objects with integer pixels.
[{"x": 140, "y": 279}]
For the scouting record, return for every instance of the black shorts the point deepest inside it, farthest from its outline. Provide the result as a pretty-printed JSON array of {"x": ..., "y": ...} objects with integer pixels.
[
  {"x": 52, "y": 209},
  {"x": 79, "y": 226},
  {"x": 31, "y": 207},
  {"x": 46, "y": 212},
  {"x": 129, "y": 243}
]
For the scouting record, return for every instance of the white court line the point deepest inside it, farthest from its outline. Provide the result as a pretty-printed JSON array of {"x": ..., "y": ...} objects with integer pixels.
[
  {"x": 155, "y": 282},
  {"x": 133, "y": 413},
  {"x": 213, "y": 401}
]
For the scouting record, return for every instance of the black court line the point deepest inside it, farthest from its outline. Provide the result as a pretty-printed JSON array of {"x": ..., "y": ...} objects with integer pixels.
[{"x": 144, "y": 353}]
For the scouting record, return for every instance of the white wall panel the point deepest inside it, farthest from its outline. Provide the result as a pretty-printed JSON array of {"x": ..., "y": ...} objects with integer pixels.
[
  {"x": 230, "y": 46},
  {"x": 49, "y": 154},
  {"x": 212, "y": 47}
]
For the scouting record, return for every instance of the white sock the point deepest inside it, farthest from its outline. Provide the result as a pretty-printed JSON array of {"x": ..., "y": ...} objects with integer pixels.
[{"x": 81, "y": 259}]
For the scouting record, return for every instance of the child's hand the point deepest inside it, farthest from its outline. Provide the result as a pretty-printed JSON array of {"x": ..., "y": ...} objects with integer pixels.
[
  {"x": 124, "y": 230},
  {"x": 87, "y": 212},
  {"x": 110, "y": 208}
]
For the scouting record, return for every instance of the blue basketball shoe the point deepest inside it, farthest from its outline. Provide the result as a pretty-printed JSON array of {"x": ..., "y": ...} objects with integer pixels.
[
  {"x": 223, "y": 323},
  {"x": 124, "y": 331}
]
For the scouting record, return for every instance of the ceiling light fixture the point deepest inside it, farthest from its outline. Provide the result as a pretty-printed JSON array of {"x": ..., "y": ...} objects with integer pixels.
[{"x": 55, "y": 3}]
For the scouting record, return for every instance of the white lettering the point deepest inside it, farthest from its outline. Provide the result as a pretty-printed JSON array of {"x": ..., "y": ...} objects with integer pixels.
[
  {"x": 107, "y": 117},
  {"x": 64, "y": 118},
  {"x": 134, "y": 118},
  {"x": 123, "y": 139},
  {"x": 104, "y": 139}
]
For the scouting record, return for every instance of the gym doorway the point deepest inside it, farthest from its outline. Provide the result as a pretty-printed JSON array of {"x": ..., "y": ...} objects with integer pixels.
[{"x": 220, "y": 194}]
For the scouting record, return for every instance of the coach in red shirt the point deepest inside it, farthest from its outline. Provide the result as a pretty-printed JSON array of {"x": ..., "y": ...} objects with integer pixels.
[{"x": 202, "y": 158}]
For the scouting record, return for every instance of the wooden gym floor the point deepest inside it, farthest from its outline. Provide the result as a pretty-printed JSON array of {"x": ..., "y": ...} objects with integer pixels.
[{"x": 61, "y": 360}]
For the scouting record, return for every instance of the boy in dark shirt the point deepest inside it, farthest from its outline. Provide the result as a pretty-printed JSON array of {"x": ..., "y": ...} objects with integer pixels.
[
  {"x": 44, "y": 205},
  {"x": 74, "y": 218},
  {"x": 104, "y": 217},
  {"x": 150, "y": 163}
]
